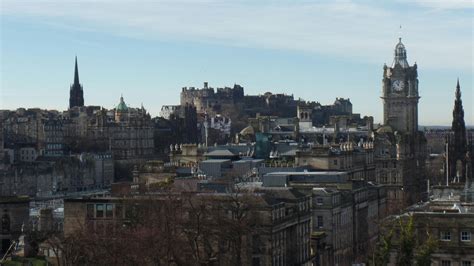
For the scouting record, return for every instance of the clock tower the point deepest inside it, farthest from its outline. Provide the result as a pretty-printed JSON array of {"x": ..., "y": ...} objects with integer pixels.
[
  {"x": 400, "y": 149},
  {"x": 400, "y": 93}
]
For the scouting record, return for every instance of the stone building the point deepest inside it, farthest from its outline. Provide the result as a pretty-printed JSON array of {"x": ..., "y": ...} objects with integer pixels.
[
  {"x": 126, "y": 132},
  {"x": 14, "y": 212},
  {"x": 305, "y": 116},
  {"x": 208, "y": 100},
  {"x": 269, "y": 104},
  {"x": 279, "y": 233},
  {"x": 168, "y": 110},
  {"x": 400, "y": 149},
  {"x": 332, "y": 226},
  {"x": 356, "y": 160},
  {"x": 54, "y": 144},
  {"x": 40, "y": 130},
  {"x": 49, "y": 176},
  {"x": 231, "y": 102},
  {"x": 215, "y": 129},
  {"x": 322, "y": 114},
  {"x": 346, "y": 214},
  {"x": 25, "y": 125},
  {"x": 182, "y": 126},
  {"x": 449, "y": 218},
  {"x": 44, "y": 137}
]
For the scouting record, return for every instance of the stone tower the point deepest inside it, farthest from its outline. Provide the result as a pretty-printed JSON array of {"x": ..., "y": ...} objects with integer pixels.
[
  {"x": 304, "y": 113},
  {"x": 400, "y": 93},
  {"x": 457, "y": 141},
  {"x": 76, "y": 94},
  {"x": 400, "y": 149}
]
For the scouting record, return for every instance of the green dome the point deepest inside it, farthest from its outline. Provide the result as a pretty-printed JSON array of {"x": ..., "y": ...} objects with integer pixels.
[{"x": 121, "y": 107}]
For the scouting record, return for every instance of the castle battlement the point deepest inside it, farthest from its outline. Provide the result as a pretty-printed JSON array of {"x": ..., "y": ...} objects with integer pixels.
[{"x": 206, "y": 98}]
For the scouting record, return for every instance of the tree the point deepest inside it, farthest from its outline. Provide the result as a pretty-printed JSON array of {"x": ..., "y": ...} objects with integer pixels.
[
  {"x": 402, "y": 239},
  {"x": 165, "y": 229},
  {"x": 381, "y": 254},
  {"x": 406, "y": 241},
  {"x": 423, "y": 254}
]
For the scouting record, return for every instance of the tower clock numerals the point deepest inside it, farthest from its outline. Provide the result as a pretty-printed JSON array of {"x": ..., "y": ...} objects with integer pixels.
[{"x": 398, "y": 85}]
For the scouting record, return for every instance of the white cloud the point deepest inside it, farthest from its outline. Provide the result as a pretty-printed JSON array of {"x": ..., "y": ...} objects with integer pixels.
[{"x": 339, "y": 28}]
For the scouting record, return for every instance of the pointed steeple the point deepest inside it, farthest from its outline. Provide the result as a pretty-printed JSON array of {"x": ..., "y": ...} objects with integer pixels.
[
  {"x": 76, "y": 94},
  {"x": 458, "y": 142},
  {"x": 458, "y": 111},
  {"x": 76, "y": 73},
  {"x": 458, "y": 92}
]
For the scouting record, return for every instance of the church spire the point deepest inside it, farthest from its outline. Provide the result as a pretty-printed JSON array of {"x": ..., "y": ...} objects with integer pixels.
[
  {"x": 76, "y": 94},
  {"x": 76, "y": 73}
]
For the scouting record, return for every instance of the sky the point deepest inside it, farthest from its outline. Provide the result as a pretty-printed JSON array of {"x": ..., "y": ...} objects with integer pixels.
[{"x": 316, "y": 50}]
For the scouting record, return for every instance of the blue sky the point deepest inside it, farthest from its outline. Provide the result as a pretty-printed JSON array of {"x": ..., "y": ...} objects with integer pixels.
[{"x": 315, "y": 50}]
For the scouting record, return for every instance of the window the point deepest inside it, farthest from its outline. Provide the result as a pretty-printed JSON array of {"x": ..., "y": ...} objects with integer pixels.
[
  {"x": 319, "y": 201},
  {"x": 445, "y": 236},
  {"x": 320, "y": 222},
  {"x": 256, "y": 261},
  {"x": 445, "y": 263},
  {"x": 466, "y": 263},
  {"x": 118, "y": 211},
  {"x": 109, "y": 210},
  {"x": 335, "y": 162},
  {"x": 256, "y": 244},
  {"x": 99, "y": 210},
  {"x": 90, "y": 210},
  {"x": 465, "y": 236}
]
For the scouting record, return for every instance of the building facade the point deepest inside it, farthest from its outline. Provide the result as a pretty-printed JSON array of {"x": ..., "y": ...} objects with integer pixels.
[{"x": 276, "y": 223}]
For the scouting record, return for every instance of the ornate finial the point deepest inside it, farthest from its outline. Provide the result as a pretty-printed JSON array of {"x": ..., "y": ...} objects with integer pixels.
[{"x": 400, "y": 33}]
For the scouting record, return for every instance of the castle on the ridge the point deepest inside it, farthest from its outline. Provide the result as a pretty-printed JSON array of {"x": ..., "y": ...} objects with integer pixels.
[
  {"x": 206, "y": 99},
  {"x": 230, "y": 101}
]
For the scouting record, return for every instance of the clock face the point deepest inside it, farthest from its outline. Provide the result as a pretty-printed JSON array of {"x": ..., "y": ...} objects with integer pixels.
[{"x": 398, "y": 85}]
